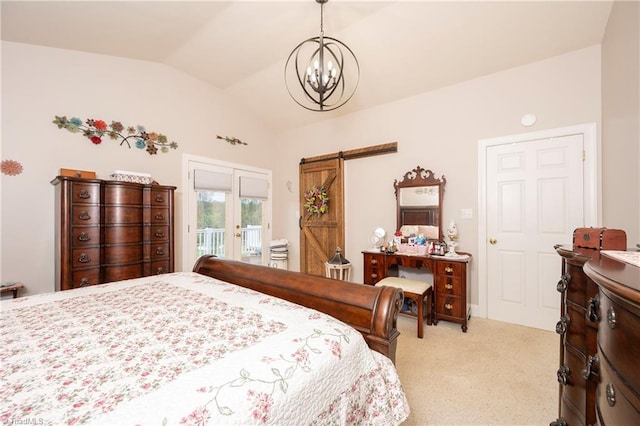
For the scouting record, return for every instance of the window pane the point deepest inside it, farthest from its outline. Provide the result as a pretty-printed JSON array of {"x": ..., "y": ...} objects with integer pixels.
[{"x": 212, "y": 210}]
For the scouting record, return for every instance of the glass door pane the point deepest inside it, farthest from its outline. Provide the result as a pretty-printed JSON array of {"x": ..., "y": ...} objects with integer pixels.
[
  {"x": 211, "y": 223},
  {"x": 251, "y": 222}
]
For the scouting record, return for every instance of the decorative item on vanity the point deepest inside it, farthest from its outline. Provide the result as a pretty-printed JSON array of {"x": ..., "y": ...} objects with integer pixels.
[
  {"x": 376, "y": 240},
  {"x": 321, "y": 73},
  {"x": 231, "y": 140},
  {"x": 452, "y": 233},
  {"x": 338, "y": 267},
  {"x": 95, "y": 130}
]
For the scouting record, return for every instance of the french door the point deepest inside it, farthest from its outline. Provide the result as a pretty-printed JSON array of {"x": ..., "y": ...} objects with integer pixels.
[{"x": 228, "y": 213}]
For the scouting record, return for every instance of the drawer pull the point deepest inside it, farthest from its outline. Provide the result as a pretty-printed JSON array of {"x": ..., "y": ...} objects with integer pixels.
[
  {"x": 448, "y": 306},
  {"x": 374, "y": 275},
  {"x": 160, "y": 270},
  {"x": 592, "y": 310},
  {"x": 84, "y": 236},
  {"x": 159, "y": 199},
  {"x": 563, "y": 283},
  {"x": 611, "y": 317},
  {"x": 448, "y": 270},
  {"x": 561, "y": 326},
  {"x": 559, "y": 422},
  {"x": 159, "y": 234},
  {"x": 84, "y": 215},
  {"x": 160, "y": 251},
  {"x": 84, "y": 194},
  {"x": 587, "y": 370},
  {"x": 374, "y": 261},
  {"x": 611, "y": 395},
  {"x": 84, "y": 282},
  {"x": 563, "y": 374},
  {"x": 448, "y": 286},
  {"x": 84, "y": 258},
  {"x": 159, "y": 216}
]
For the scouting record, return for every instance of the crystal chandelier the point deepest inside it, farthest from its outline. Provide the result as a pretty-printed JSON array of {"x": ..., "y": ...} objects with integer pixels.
[{"x": 321, "y": 73}]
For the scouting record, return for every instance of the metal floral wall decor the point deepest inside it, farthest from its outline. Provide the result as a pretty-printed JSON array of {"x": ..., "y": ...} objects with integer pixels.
[
  {"x": 95, "y": 130},
  {"x": 10, "y": 167},
  {"x": 232, "y": 140}
]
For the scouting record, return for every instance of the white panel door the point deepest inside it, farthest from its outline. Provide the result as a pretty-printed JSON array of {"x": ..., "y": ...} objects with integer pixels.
[{"x": 534, "y": 200}]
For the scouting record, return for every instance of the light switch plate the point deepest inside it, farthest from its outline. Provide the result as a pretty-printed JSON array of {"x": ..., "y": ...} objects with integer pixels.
[{"x": 466, "y": 213}]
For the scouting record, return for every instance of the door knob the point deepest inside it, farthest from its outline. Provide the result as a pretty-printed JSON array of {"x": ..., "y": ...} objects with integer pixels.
[
  {"x": 492, "y": 240},
  {"x": 238, "y": 234}
]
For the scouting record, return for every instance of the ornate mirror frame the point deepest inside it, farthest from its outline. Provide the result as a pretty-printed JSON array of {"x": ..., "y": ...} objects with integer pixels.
[{"x": 420, "y": 181}]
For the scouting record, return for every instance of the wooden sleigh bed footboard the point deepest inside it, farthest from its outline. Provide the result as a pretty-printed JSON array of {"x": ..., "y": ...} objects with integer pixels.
[{"x": 373, "y": 311}]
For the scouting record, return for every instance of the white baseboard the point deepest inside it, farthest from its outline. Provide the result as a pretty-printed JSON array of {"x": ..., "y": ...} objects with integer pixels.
[{"x": 474, "y": 311}]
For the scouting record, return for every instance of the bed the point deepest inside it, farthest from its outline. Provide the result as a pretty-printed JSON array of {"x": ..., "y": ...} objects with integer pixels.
[{"x": 203, "y": 347}]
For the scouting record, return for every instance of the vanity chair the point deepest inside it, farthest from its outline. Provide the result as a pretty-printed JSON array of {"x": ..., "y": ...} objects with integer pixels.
[{"x": 417, "y": 291}]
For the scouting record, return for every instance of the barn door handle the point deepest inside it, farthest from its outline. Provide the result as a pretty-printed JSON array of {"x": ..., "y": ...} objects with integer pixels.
[{"x": 300, "y": 222}]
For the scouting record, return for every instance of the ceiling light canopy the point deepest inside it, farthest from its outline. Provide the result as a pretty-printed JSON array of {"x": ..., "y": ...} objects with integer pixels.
[{"x": 321, "y": 73}]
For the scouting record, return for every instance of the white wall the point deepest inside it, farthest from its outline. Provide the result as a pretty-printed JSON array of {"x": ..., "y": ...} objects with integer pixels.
[
  {"x": 39, "y": 83},
  {"x": 438, "y": 130},
  {"x": 621, "y": 119}
]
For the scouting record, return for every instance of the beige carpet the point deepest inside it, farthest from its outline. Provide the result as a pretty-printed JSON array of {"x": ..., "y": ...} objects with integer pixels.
[{"x": 495, "y": 374}]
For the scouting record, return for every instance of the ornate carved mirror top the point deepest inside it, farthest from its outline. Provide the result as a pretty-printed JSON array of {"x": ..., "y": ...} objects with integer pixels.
[{"x": 419, "y": 203}]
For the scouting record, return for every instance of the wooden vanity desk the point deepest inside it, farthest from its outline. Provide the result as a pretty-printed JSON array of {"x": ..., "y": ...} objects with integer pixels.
[{"x": 450, "y": 278}]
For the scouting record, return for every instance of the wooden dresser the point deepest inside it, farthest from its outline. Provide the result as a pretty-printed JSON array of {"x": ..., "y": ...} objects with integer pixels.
[
  {"x": 599, "y": 339},
  {"x": 110, "y": 230},
  {"x": 618, "y": 392},
  {"x": 577, "y": 327},
  {"x": 450, "y": 278}
]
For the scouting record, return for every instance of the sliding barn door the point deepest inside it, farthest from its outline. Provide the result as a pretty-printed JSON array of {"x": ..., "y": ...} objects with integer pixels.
[{"x": 321, "y": 234}]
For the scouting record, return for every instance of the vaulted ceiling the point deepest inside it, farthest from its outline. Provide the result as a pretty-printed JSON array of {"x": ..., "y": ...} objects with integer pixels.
[{"x": 404, "y": 47}]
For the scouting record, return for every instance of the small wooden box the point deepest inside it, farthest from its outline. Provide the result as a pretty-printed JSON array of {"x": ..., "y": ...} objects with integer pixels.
[
  {"x": 84, "y": 174},
  {"x": 600, "y": 238}
]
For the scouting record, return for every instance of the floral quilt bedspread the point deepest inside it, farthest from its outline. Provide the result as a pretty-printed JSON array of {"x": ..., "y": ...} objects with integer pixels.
[{"x": 184, "y": 348}]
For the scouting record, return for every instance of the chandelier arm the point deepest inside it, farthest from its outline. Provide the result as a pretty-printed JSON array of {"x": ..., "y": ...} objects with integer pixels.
[
  {"x": 303, "y": 81},
  {"x": 340, "y": 64},
  {"x": 300, "y": 76}
]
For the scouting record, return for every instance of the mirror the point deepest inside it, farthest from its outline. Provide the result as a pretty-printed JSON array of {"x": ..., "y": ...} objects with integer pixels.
[{"x": 419, "y": 203}]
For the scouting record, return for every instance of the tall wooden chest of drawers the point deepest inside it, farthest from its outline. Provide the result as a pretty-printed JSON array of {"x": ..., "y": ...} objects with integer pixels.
[{"x": 110, "y": 230}]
